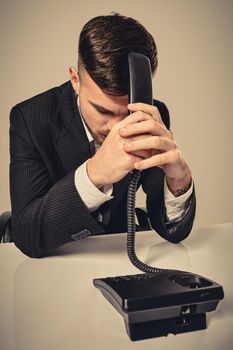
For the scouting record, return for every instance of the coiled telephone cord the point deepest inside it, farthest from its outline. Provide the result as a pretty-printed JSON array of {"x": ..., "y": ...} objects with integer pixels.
[{"x": 132, "y": 227}]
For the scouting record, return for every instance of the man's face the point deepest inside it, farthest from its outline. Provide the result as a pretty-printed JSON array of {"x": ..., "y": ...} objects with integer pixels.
[{"x": 99, "y": 110}]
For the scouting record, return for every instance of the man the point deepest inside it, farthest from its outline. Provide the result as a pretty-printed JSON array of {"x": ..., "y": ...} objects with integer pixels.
[{"x": 63, "y": 185}]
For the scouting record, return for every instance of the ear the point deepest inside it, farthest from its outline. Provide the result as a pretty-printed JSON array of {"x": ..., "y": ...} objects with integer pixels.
[{"x": 74, "y": 79}]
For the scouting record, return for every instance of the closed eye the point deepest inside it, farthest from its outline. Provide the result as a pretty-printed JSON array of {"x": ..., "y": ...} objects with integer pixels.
[{"x": 104, "y": 112}]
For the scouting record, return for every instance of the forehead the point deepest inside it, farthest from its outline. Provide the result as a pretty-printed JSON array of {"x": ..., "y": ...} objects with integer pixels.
[{"x": 94, "y": 94}]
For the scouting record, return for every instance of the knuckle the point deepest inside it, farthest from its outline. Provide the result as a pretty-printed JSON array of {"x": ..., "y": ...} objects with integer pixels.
[
  {"x": 175, "y": 156},
  {"x": 156, "y": 114},
  {"x": 155, "y": 109},
  {"x": 157, "y": 142},
  {"x": 170, "y": 134},
  {"x": 174, "y": 145},
  {"x": 179, "y": 155},
  {"x": 141, "y": 114},
  {"x": 161, "y": 159},
  {"x": 152, "y": 123},
  {"x": 115, "y": 127}
]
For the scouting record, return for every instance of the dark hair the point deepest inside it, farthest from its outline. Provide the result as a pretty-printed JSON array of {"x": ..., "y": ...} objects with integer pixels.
[{"x": 104, "y": 43}]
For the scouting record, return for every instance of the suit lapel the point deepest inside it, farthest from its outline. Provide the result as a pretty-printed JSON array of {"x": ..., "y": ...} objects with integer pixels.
[{"x": 70, "y": 137}]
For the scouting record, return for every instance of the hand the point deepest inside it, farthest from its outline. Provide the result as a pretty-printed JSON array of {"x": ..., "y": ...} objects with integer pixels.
[
  {"x": 111, "y": 162},
  {"x": 164, "y": 151}
]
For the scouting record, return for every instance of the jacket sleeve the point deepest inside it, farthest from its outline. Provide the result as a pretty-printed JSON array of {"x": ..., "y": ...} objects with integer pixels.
[
  {"x": 153, "y": 186},
  {"x": 45, "y": 215}
]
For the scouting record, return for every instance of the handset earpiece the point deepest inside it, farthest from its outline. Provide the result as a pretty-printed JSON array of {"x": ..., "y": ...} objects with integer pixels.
[{"x": 140, "y": 78}]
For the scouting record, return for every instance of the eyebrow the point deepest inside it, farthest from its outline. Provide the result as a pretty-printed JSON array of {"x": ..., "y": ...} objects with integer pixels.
[{"x": 101, "y": 108}]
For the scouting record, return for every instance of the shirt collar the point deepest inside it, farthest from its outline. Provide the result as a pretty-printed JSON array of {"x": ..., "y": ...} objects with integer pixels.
[{"x": 89, "y": 136}]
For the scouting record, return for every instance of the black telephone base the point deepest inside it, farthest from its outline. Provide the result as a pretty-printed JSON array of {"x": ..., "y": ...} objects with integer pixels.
[
  {"x": 160, "y": 328},
  {"x": 154, "y": 305}
]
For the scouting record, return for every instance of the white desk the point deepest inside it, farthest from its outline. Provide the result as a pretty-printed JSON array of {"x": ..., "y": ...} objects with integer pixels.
[{"x": 51, "y": 303}]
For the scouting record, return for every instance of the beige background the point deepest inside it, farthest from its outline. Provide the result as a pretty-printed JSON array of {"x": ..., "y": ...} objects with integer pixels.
[{"x": 38, "y": 41}]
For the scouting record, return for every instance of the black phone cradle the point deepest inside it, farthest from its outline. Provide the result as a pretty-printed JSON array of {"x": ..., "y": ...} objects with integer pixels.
[{"x": 154, "y": 305}]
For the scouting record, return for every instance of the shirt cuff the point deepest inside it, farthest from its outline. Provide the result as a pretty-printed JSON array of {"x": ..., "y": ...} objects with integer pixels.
[
  {"x": 89, "y": 193},
  {"x": 176, "y": 207}
]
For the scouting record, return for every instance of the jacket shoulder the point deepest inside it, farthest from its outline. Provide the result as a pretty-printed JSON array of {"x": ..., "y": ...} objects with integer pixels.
[{"x": 48, "y": 100}]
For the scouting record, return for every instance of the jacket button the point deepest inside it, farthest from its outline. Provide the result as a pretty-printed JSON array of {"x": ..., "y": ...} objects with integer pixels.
[
  {"x": 79, "y": 235},
  {"x": 172, "y": 230}
]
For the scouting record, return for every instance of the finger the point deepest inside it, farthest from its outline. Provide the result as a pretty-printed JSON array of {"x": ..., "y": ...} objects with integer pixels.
[
  {"x": 148, "y": 143},
  {"x": 159, "y": 160},
  {"x": 151, "y": 110},
  {"x": 149, "y": 126},
  {"x": 134, "y": 118}
]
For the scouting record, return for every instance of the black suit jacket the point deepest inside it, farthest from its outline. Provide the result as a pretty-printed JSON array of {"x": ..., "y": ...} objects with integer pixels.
[{"x": 47, "y": 144}]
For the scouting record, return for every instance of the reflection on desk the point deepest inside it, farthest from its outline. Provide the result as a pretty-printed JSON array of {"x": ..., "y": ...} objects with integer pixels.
[{"x": 51, "y": 303}]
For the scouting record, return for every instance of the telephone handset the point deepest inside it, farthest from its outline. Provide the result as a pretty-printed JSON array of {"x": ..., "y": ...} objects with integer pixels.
[
  {"x": 159, "y": 301},
  {"x": 140, "y": 90}
]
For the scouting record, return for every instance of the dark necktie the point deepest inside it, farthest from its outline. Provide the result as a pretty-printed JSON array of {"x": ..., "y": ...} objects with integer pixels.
[{"x": 92, "y": 147}]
